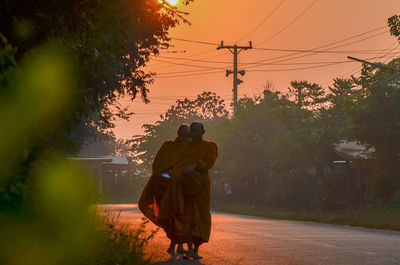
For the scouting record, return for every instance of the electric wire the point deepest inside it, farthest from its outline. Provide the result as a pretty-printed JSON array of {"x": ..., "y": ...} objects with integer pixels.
[
  {"x": 309, "y": 51},
  {"x": 190, "y": 75},
  {"x": 350, "y": 73},
  {"x": 312, "y": 53},
  {"x": 287, "y": 55},
  {"x": 336, "y": 42},
  {"x": 262, "y": 22},
  {"x": 209, "y": 43},
  {"x": 319, "y": 64},
  {"x": 196, "y": 41},
  {"x": 190, "y": 65},
  {"x": 282, "y": 50},
  {"x": 289, "y": 24}
]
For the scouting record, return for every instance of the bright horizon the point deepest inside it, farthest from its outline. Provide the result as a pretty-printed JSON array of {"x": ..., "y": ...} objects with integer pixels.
[{"x": 189, "y": 68}]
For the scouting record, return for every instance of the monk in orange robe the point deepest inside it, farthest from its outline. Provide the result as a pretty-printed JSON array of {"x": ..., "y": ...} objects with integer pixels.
[
  {"x": 186, "y": 204},
  {"x": 160, "y": 179}
]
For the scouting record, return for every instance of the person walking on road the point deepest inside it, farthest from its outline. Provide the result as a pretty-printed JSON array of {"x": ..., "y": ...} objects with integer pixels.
[{"x": 149, "y": 202}]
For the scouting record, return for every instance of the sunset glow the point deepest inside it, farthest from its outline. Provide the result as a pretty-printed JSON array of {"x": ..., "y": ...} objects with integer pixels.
[
  {"x": 189, "y": 68},
  {"x": 172, "y": 2}
]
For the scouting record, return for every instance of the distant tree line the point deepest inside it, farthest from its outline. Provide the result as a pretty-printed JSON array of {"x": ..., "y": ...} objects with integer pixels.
[{"x": 279, "y": 149}]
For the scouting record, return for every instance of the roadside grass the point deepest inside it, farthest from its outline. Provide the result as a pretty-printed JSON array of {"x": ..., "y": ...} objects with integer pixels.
[
  {"x": 119, "y": 242},
  {"x": 376, "y": 218}
]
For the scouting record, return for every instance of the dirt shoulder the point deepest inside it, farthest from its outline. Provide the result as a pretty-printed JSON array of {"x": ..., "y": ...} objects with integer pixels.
[{"x": 377, "y": 218}]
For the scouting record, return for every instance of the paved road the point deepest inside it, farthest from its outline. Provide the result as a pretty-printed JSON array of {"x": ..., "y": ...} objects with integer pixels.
[{"x": 245, "y": 240}]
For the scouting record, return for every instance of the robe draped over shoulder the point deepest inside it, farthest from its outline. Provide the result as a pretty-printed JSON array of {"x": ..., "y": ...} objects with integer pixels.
[{"x": 149, "y": 202}]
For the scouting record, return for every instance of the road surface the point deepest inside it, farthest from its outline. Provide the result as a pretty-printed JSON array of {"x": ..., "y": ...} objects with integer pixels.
[{"x": 245, "y": 240}]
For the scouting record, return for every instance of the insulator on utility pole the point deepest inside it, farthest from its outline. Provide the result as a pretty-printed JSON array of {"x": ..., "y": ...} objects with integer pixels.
[{"x": 235, "y": 50}]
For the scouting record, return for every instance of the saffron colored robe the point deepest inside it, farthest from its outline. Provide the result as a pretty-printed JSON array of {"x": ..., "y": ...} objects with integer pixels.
[
  {"x": 149, "y": 202},
  {"x": 179, "y": 209}
]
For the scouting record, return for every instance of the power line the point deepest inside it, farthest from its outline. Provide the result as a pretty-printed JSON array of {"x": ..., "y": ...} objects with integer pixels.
[
  {"x": 295, "y": 52},
  {"x": 258, "y": 63},
  {"x": 355, "y": 70},
  {"x": 388, "y": 53},
  {"x": 377, "y": 51},
  {"x": 265, "y": 70},
  {"x": 290, "y": 23},
  {"x": 196, "y": 41},
  {"x": 206, "y": 70},
  {"x": 262, "y": 22},
  {"x": 183, "y": 72},
  {"x": 333, "y": 43},
  {"x": 263, "y": 64},
  {"x": 310, "y": 54},
  {"x": 194, "y": 55},
  {"x": 296, "y": 69},
  {"x": 190, "y": 65},
  {"x": 193, "y": 60},
  {"x": 190, "y": 75},
  {"x": 179, "y": 97},
  {"x": 321, "y": 64},
  {"x": 321, "y": 51}
]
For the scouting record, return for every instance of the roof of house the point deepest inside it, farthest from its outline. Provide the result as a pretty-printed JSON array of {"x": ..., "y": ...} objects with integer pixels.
[
  {"x": 353, "y": 149},
  {"x": 118, "y": 160}
]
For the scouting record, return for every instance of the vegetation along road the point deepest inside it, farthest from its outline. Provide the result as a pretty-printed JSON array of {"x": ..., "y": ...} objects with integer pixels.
[{"x": 237, "y": 239}]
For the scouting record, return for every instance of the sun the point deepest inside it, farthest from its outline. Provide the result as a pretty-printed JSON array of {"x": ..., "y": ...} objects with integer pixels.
[{"x": 172, "y": 2}]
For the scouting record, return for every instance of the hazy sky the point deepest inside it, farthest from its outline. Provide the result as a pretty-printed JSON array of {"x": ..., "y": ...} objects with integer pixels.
[{"x": 188, "y": 68}]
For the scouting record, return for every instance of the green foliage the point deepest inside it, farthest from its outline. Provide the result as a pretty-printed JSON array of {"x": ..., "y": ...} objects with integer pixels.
[
  {"x": 207, "y": 107},
  {"x": 307, "y": 94},
  {"x": 7, "y": 64},
  {"x": 394, "y": 25},
  {"x": 52, "y": 224},
  {"x": 44, "y": 197},
  {"x": 279, "y": 150},
  {"x": 271, "y": 146},
  {"x": 374, "y": 116},
  {"x": 63, "y": 64},
  {"x": 111, "y": 42}
]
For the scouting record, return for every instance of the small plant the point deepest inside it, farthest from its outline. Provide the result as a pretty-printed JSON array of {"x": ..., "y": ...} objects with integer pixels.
[{"x": 119, "y": 242}]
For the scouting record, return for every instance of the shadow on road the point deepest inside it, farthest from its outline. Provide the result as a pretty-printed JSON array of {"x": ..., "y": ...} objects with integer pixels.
[{"x": 180, "y": 262}]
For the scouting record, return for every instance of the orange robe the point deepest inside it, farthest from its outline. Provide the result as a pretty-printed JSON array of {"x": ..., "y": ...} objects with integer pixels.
[
  {"x": 155, "y": 188},
  {"x": 178, "y": 208}
]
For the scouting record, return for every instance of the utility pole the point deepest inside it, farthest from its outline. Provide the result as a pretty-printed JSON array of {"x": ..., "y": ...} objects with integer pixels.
[
  {"x": 377, "y": 65},
  {"x": 235, "y": 50}
]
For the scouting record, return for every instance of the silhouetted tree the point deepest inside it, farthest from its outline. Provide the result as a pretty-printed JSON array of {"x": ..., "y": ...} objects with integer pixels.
[
  {"x": 207, "y": 107},
  {"x": 111, "y": 41}
]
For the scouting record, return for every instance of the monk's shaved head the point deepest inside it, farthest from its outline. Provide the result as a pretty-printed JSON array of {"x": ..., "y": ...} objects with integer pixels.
[
  {"x": 196, "y": 130},
  {"x": 184, "y": 132}
]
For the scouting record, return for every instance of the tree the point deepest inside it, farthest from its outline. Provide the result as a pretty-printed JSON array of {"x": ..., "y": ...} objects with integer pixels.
[
  {"x": 374, "y": 115},
  {"x": 207, "y": 107},
  {"x": 111, "y": 41},
  {"x": 341, "y": 90},
  {"x": 307, "y": 94},
  {"x": 266, "y": 150},
  {"x": 394, "y": 25},
  {"x": 63, "y": 65}
]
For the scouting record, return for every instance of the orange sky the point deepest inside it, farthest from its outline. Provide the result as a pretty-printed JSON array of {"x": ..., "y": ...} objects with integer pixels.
[{"x": 319, "y": 22}]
